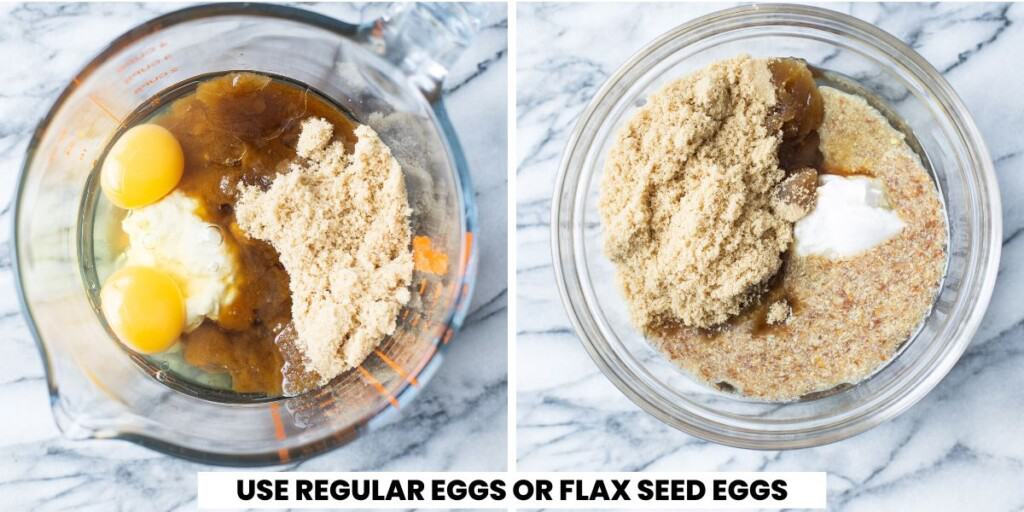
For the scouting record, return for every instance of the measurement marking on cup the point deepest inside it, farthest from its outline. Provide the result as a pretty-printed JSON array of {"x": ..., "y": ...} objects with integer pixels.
[
  {"x": 134, "y": 59},
  {"x": 426, "y": 258},
  {"x": 378, "y": 386},
  {"x": 160, "y": 76},
  {"x": 397, "y": 368},
  {"x": 327, "y": 405},
  {"x": 275, "y": 414},
  {"x": 96, "y": 101},
  {"x": 467, "y": 250},
  {"x": 144, "y": 68}
]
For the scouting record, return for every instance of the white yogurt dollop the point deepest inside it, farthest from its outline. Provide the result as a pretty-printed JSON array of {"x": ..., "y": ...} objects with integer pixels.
[
  {"x": 851, "y": 216},
  {"x": 171, "y": 236}
]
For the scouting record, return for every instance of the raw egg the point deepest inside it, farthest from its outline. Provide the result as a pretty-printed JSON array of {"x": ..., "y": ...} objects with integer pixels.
[
  {"x": 144, "y": 307},
  {"x": 144, "y": 165}
]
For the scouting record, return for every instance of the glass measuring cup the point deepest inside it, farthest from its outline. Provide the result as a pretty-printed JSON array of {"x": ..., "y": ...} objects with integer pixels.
[{"x": 386, "y": 74}]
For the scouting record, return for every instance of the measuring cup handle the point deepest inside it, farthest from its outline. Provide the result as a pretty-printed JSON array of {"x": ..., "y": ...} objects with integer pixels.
[{"x": 423, "y": 39}]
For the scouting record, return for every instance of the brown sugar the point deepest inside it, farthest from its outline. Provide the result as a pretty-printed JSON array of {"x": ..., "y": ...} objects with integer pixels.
[
  {"x": 778, "y": 312},
  {"x": 340, "y": 223},
  {"x": 695, "y": 218},
  {"x": 686, "y": 197}
]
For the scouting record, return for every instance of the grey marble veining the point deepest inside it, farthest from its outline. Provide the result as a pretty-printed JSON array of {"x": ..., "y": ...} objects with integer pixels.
[
  {"x": 960, "y": 448},
  {"x": 457, "y": 423}
]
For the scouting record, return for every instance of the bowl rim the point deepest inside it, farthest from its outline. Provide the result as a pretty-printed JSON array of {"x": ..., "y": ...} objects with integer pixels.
[
  {"x": 564, "y": 206},
  {"x": 454, "y": 318}
]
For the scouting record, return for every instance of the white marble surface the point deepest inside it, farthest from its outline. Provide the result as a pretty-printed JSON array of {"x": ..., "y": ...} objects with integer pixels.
[
  {"x": 961, "y": 448},
  {"x": 457, "y": 423}
]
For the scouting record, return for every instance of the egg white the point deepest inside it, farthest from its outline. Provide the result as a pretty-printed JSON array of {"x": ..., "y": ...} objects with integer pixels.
[{"x": 171, "y": 236}]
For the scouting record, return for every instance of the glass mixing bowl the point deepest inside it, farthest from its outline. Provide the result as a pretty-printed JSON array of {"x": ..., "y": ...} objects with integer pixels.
[
  {"x": 887, "y": 71},
  {"x": 386, "y": 74}
]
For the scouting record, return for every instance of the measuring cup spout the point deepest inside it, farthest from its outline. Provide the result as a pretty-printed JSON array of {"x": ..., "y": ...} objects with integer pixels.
[{"x": 423, "y": 39}]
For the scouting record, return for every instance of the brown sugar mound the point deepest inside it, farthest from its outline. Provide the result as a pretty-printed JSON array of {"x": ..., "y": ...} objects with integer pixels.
[
  {"x": 687, "y": 197},
  {"x": 340, "y": 224}
]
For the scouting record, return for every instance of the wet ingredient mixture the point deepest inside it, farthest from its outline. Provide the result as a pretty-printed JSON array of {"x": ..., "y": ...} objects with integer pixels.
[
  {"x": 190, "y": 273},
  {"x": 707, "y": 192}
]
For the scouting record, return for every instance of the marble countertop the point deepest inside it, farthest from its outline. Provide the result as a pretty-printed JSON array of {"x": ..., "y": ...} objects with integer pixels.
[
  {"x": 457, "y": 423},
  {"x": 960, "y": 448}
]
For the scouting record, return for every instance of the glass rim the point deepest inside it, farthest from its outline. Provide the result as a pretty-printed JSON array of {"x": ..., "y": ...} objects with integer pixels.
[
  {"x": 577, "y": 294},
  {"x": 454, "y": 317}
]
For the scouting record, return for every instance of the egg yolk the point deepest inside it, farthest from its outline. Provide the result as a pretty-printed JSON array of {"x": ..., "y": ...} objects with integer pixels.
[
  {"x": 144, "y": 307},
  {"x": 144, "y": 165}
]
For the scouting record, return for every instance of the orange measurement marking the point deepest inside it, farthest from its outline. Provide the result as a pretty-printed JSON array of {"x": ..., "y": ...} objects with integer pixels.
[
  {"x": 138, "y": 57},
  {"x": 324, "y": 391},
  {"x": 156, "y": 79},
  {"x": 275, "y": 414},
  {"x": 378, "y": 386},
  {"x": 468, "y": 249},
  {"x": 423, "y": 286},
  {"x": 96, "y": 101},
  {"x": 448, "y": 336},
  {"x": 99, "y": 103},
  {"x": 415, "y": 320},
  {"x": 397, "y": 368},
  {"x": 427, "y": 259},
  {"x": 326, "y": 404}
]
